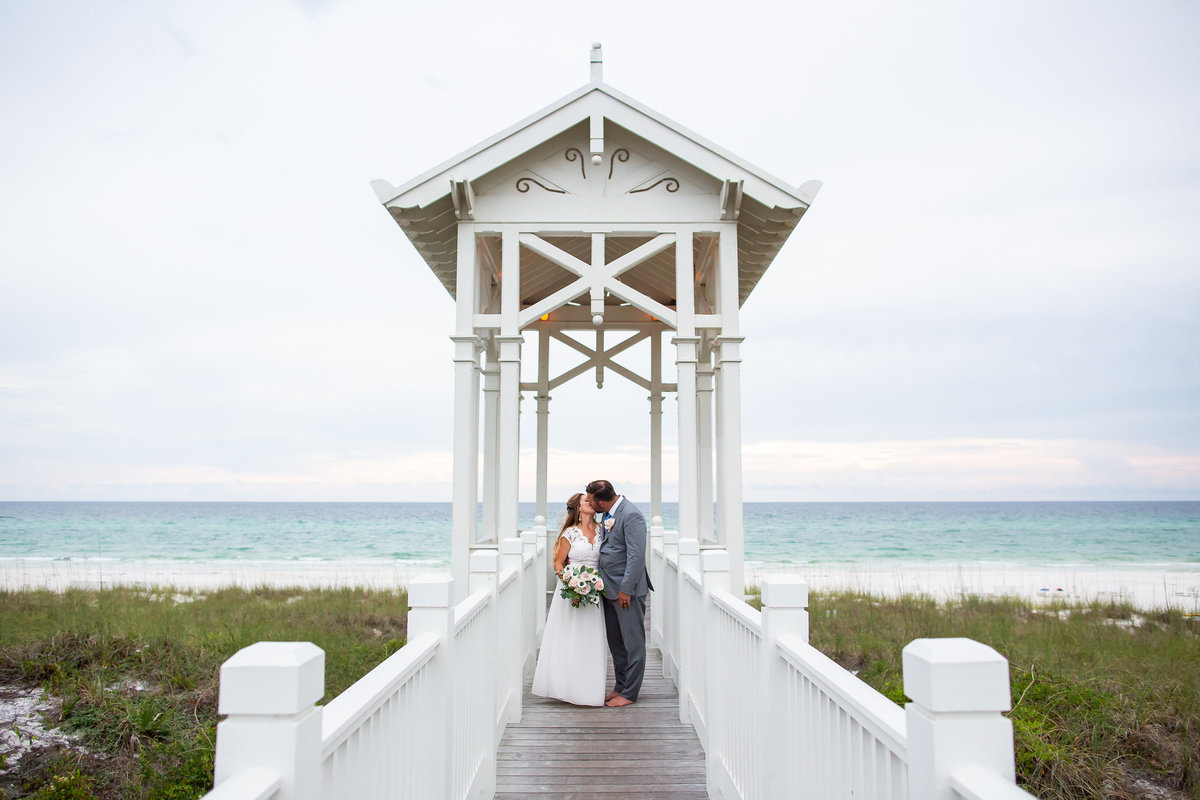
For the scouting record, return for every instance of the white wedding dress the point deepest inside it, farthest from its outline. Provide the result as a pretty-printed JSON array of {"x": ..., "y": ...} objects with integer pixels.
[{"x": 574, "y": 656}]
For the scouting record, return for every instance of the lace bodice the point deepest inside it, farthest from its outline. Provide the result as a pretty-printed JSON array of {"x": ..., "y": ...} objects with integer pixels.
[{"x": 581, "y": 552}]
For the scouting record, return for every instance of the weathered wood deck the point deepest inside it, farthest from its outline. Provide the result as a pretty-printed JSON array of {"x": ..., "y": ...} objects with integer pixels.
[{"x": 564, "y": 752}]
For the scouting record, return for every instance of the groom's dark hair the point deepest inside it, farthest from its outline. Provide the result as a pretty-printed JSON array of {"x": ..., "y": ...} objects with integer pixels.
[{"x": 602, "y": 490}]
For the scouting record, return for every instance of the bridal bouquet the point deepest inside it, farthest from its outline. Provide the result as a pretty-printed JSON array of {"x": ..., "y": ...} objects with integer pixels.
[{"x": 582, "y": 585}]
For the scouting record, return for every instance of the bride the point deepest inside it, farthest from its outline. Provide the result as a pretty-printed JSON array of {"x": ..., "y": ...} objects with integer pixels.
[{"x": 573, "y": 659}]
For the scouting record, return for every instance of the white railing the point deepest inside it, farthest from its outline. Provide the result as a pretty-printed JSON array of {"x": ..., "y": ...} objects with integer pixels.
[
  {"x": 779, "y": 719},
  {"x": 425, "y": 723},
  {"x": 776, "y": 717}
]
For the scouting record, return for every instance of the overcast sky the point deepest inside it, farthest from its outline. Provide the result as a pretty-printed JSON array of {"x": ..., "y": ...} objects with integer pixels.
[{"x": 996, "y": 294}]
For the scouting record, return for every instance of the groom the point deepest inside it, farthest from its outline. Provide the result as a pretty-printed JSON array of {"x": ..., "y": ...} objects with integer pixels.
[{"x": 626, "y": 582}]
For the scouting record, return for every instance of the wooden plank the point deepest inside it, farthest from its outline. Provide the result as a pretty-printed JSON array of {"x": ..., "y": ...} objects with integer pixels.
[{"x": 564, "y": 752}]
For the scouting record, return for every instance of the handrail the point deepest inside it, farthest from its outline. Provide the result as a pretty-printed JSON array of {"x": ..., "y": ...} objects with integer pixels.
[
  {"x": 345, "y": 713},
  {"x": 253, "y": 784},
  {"x": 508, "y": 576},
  {"x": 883, "y": 718},
  {"x": 736, "y": 607},
  {"x": 470, "y": 608},
  {"x": 980, "y": 783}
]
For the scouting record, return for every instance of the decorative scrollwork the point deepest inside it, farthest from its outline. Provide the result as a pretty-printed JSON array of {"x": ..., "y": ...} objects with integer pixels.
[
  {"x": 620, "y": 154},
  {"x": 672, "y": 185},
  {"x": 523, "y": 185},
  {"x": 573, "y": 154}
]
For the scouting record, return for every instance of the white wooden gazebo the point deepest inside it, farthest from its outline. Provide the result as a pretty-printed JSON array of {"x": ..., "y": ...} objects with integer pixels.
[{"x": 597, "y": 213}]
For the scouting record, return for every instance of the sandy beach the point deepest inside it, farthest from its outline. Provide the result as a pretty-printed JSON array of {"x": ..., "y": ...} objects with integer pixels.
[{"x": 1142, "y": 588}]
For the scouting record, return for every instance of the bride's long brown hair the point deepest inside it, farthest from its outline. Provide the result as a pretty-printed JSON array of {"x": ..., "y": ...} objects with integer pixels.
[{"x": 574, "y": 516}]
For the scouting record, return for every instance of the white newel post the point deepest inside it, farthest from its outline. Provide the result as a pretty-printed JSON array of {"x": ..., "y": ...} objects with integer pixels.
[
  {"x": 959, "y": 689},
  {"x": 688, "y": 640},
  {"x": 668, "y": 598},
  {"x": 485, "y": 565},
  {"x": 431, "y": 610},
  {"x": 541, "y": 569},
  {"x": 654, "y": 560},
  {"x": 784, "y": 612},
  {"x": 715, "y": 566},
  {"x": 513, "y": 644},
  {"x": 268, "y": 693}
]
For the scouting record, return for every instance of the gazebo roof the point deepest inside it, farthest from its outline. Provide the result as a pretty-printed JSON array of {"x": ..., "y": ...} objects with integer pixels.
[{"x": 766, "y": 208}]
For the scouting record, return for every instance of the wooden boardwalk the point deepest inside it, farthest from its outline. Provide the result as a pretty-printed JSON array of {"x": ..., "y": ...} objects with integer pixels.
[{"x": 564, "y": 752}]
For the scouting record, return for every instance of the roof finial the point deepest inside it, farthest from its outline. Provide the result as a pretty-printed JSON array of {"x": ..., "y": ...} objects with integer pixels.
[{"x": 597, "y": 63}]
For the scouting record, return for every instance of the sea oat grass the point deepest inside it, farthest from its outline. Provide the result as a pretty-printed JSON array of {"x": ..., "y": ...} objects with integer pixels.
[{"x": 135, "y": 674}]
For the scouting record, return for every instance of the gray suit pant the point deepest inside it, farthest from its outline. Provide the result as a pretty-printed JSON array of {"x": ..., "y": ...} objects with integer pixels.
[{"x": 626, "y": 629}]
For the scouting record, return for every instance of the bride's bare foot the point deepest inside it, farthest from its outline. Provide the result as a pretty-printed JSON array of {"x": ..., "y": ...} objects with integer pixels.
[
  {"x": 610, "y": 696},
  {"x": 619, "y": 701}
]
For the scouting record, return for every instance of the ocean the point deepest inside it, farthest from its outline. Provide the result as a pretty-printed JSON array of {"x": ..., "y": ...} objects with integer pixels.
[{"x": 1127, "y": 535}]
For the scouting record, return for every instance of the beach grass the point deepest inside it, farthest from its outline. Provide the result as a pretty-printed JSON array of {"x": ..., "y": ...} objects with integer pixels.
[
  {"x": 134, "y": 673},
  {"x": 1106, "y": 699}
]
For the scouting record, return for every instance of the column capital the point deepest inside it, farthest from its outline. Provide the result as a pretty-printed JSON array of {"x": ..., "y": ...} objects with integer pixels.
[
  {"x": 686, "y": 348},
  {"x": 728, "y": 348},
  {"x": 510, "y": 347},
  {"x": 466, "y": 348}
]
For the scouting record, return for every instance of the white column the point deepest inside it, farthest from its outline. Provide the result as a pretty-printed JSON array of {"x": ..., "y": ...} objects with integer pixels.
[
  {"x": 466, "y": 406},
  {"x": 729, "y": 411},
  {"x": 491, "y": 450},
  {"x": 510, "y": 341},
  {"x": 267, "y": 691},
  {"x": 543, "y": 426},
  {"x": 686, "y": 344},
  {"x": 656, "y": 401},
  {"x": 704, "y": 454},
  {"x": 955, "y": 722}
]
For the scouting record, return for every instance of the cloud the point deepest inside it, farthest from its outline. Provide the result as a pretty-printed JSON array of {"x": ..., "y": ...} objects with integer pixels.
[{"x": 195, "y": 275}]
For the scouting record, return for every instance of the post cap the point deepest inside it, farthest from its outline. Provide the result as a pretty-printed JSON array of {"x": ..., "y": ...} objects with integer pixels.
[
  {"x": 485, "y": 560},
  {"x": 511, "y": 546},
  {"x": 947, "y": 675},
  {"x": 431, "y": 591},
  {"x": 272, "y": 679},
  {"x": 714, "y": 561},
  {"x": 670, "y": 537},
  {"x": 529, "y": 537},
  {"x": 784, "y": 593},
  {"x": 689, "y": 547}
]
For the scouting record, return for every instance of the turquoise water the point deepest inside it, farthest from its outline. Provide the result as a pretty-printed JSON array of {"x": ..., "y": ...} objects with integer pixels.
[{"x": 1136, "y": 534}]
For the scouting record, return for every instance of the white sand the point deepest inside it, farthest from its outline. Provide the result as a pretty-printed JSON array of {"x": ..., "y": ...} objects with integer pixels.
[
  {"x": 1143, "y": 588},
  {"x": 22, "y": 573}
]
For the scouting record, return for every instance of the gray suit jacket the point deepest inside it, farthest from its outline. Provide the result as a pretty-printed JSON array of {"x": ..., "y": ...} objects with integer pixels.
[{"x": 623, "y": 554}]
